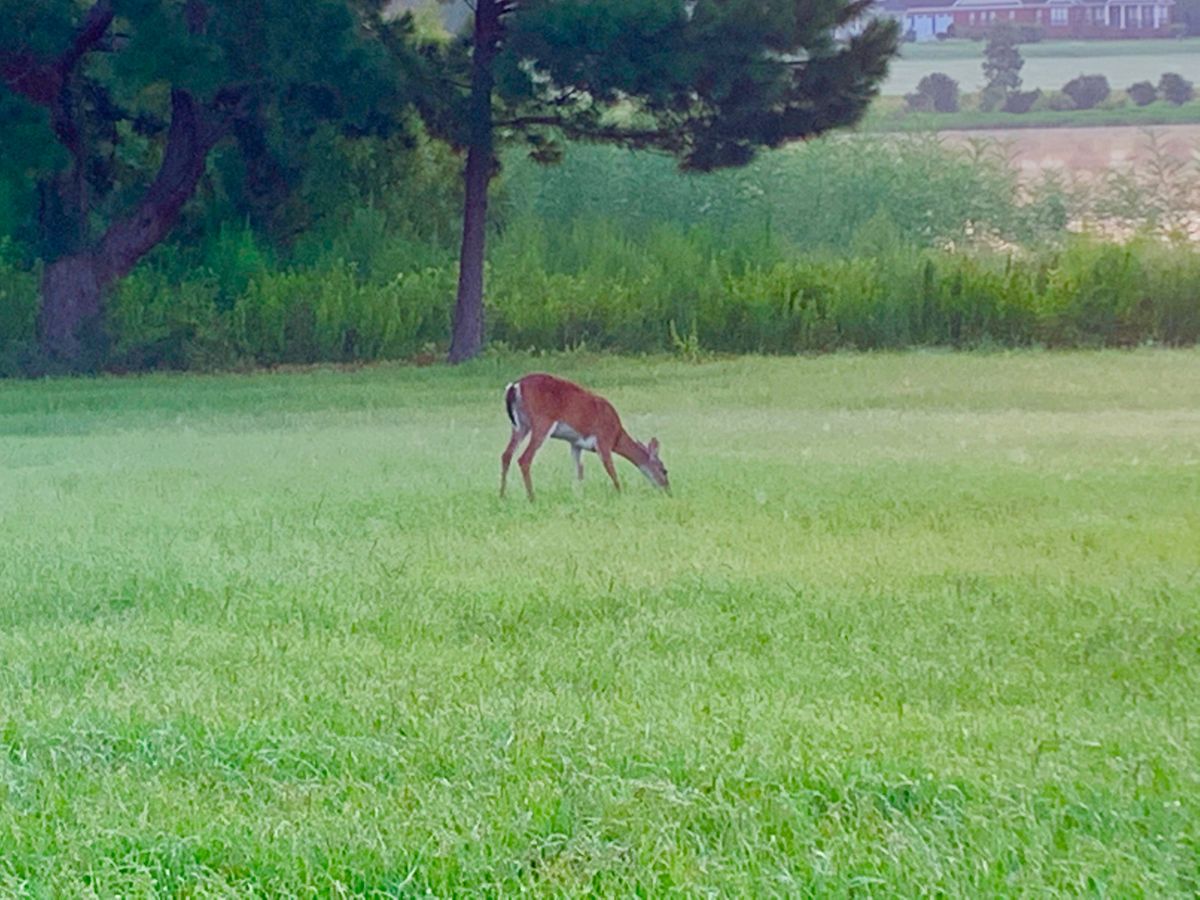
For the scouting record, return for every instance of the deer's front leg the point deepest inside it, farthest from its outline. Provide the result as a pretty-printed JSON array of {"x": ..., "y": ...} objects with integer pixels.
[{"x": 606, "y": 458}]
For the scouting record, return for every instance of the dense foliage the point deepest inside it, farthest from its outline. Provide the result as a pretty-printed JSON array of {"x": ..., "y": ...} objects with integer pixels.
[
  {"x": 1087, "y": 91},
  {"x": 1002, "y": 65},
  {"x": 846, "y": 243},
  {"x": 1175, "y": 89},
  {"x": 118, "y": 106},
  {"x": 711, "y": 82},
  {"x": 1021, "y": 101},
  {"x": 1143, "y": 93},
  {"x": 937, "y": 92}
]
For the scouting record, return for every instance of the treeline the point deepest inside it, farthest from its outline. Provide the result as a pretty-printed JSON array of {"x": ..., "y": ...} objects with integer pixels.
[
  {"x": 847, "y": 243},
  {"x": 939, "y": 93},
  {"x": 125, "y": 123}
]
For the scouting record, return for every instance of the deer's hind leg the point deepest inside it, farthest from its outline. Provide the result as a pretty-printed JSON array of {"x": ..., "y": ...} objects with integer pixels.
[
  {"x": 519, "y": 433},
  {"x": 541, "y": 431}
]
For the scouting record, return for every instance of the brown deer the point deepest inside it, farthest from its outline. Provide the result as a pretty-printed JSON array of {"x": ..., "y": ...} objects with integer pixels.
[{"x": 547, "y": 407}]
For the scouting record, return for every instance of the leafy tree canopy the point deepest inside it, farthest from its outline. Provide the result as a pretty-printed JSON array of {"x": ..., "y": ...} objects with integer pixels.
[
  {"x": 711, "y": 81},
  {"x": 112, "y": 108}
]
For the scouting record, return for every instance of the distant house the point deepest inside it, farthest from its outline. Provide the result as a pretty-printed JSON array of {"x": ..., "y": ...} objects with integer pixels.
[{"x": 925, "y": 20}]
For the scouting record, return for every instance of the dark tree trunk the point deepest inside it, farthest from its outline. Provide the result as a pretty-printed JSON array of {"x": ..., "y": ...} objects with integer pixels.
[
  {"x": 467, "y": 338},
  {"x": 467, "y": 335},
  {"x": 73, "y": 287},
  {"x": 72, "y": 299}
]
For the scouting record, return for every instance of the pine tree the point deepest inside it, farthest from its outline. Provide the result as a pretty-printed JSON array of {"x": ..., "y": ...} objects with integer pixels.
[{"x": 711, "y": 82}]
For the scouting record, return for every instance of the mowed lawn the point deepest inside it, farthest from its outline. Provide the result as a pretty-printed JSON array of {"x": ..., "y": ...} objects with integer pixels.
[
  {"x": 912, "y": 623},
  {"x": 1049, "y": 64}
]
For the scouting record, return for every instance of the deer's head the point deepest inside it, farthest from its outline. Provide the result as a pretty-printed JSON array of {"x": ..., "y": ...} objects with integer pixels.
[{"x": 654, "y": 468}]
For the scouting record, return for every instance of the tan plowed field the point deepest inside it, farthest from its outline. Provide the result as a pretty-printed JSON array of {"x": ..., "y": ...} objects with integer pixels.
[{"x": 1081, "y": 150}]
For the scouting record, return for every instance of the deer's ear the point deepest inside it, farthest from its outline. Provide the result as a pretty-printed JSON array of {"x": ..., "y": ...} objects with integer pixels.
[{"x": 652, "y": 447}]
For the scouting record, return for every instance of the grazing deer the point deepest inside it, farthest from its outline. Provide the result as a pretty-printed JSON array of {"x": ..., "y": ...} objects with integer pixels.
[{"x": 544, "y": 406}]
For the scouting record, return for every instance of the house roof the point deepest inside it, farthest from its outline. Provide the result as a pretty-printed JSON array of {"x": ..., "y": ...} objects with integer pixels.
[{"x": 933, "y": 6}]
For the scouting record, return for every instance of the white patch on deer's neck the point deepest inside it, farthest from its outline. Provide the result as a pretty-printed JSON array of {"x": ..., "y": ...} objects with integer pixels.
[{"x": 565, "y": 432}]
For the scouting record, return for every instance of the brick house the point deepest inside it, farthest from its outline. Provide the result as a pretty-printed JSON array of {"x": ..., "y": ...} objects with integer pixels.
[{"x": 924, "y": 20}]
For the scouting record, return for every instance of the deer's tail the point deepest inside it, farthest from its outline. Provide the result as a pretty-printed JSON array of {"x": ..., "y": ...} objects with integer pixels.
[{"x": 512, "y": 394}]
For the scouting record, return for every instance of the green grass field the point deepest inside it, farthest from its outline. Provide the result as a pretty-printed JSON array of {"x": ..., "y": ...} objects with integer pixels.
[
  {"x": 1049, "y": 64},
  {"x": 891, "y": 114},
  {"x": 912, "y": 624}
]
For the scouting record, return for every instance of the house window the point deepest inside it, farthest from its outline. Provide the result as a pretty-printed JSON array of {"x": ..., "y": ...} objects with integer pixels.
[
  {"x": 1011, "y": 15},
  {"x": 1058, "y": 15},
  {"x": 971, "y": 18},
  {"x": 1040, "y": 15}
]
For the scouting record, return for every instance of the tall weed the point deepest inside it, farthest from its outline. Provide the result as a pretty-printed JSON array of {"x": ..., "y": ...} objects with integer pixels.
[{"x": 18, "y": 309}]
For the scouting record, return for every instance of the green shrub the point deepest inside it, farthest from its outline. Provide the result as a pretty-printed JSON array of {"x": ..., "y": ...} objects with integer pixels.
[
  {"x": 18, "y": 311},
  {"x": 1057, "y": 101},
  {"x": 1176, "y": 89},
  {"x": 154, "y": 324},
  {"x": 1021, "y": 101},
  {"x": 1087, "y": 91},
  {"x": 305, "y": 316},
  {"x": 1143, "y": 93},
  {"x": 880, "y": 293},
  {"x": 232, "y": 257},
  {"x": 937, "y": 92}
]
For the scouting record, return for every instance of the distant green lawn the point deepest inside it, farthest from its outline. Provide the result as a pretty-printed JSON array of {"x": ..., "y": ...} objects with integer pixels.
[
  {"x": 1048, "y": 64},
  {"x": 911, "y": 624},
  {"x": 891, "y": 114}
]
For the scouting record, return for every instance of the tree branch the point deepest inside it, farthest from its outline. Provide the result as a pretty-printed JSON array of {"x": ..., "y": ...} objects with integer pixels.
[
  {"x": 594, "y": 133},
  {"x": 194, "y": 131},
  {"x": 95, "y": 24},
  {"x": 41, "y": 81}
]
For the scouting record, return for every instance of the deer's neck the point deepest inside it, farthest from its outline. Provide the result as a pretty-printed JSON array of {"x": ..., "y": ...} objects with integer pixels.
[{"x": 631, "y": 450}]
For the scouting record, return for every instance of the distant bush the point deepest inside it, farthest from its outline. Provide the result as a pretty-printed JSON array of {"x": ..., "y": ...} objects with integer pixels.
[
  {"x": 1176, "y": 89},
  {"x": 1021, "y": 101},
  {"x": 1142, "y": 93},
  {"x": 1087, "y": 91},
  {"x": 937, "y": 92},
  {"x": 1057, "y": 101}
]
